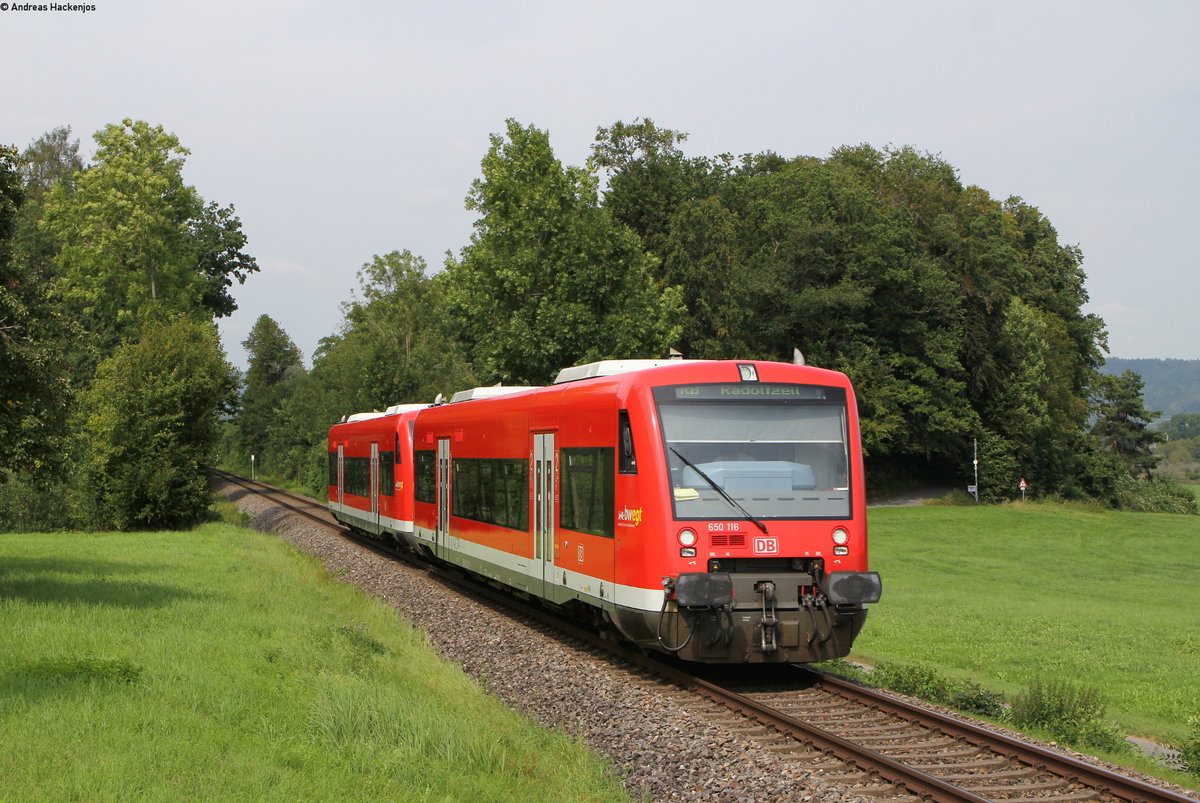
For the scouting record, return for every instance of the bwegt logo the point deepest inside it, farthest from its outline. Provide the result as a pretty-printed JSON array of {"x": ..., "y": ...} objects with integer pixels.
[{"x": 628, "y": 516}]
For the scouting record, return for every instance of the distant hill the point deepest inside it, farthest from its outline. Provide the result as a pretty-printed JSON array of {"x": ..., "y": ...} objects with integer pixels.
[{"x": 1172, "y": 386}]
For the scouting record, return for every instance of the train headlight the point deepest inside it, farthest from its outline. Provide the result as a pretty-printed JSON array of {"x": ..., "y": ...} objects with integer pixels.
[
  {"x": 687, "y": 537},
  {"x": 840, "y": 536},
  {"x": 687, "y": 552},
  {"x": 841, "y": 550}
]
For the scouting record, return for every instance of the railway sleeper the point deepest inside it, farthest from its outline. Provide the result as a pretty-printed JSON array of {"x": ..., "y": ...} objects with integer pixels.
[
  {"x": 982, "y": 764},
  {"x": 843, "y": 715},
  {"x": 1074, "y": 797},
  {"x": 872, "y": 729},
  {"x": 990, "y": 775},
  {"x": 1020, "y": 789},
  {"x": 883, "y": 743},
  {"x": 901, "y": 753}
]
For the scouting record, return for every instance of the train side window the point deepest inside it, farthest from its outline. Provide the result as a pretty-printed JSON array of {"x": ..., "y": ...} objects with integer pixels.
[
  {"x": 491, "y": 490},
  {"x": 398, "y": 460},
  {"x": 387, "y": 474},
  {"x": 425, "y": 474},
  {"x": 586, "y": 484},
  {"x": 628, "y": 461},
  {"x": 358, "y": 476},
  {"x": 333, "y": 472}
]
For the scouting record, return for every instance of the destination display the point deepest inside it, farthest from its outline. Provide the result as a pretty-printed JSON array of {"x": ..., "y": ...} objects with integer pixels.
[{"x": 749, "y": 390}]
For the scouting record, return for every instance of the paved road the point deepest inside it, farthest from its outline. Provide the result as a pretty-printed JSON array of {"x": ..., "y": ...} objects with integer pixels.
[{"x": 911, "y": 499}]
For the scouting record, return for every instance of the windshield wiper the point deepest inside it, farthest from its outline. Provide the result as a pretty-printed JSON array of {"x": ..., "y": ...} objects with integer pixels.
[{"x": 719, "y": 490}]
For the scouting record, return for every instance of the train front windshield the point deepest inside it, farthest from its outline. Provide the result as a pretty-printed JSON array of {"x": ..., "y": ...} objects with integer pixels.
[{"x": 780, "y": 451}]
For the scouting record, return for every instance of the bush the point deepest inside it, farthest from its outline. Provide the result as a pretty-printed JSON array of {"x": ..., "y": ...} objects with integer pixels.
[
  {"x": 915, "y": 681},
  {"x": 1070, "y": 714},
  {"x": 971, "y": 698},
  {"x": 1189, "y": 751},
  {"x": 30, "y": 503},
  {"x": 148, "y": 429},
  {"x": 926, "y": 684},
  {"x": 1154, "y": 496}
]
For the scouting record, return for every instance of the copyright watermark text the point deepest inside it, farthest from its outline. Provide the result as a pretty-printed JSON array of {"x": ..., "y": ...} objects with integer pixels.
[{"x": 77, "y": 8}]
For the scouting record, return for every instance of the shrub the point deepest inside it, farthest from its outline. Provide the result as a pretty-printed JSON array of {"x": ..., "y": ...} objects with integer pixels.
[
  {"x": 1189, "y": 751},
  {"x": 1069, "y": 713},
  {"x": 915, "y": 681},
  {"x": 971, "y": 698},
  {"x": 926, "y": 684},
  {"x": 1154, "y": 496},
  {"x": 148, "y": 428}
]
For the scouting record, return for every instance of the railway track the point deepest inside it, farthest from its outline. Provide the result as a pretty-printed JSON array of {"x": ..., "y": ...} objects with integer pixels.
[{"x": 890, "y": 749}]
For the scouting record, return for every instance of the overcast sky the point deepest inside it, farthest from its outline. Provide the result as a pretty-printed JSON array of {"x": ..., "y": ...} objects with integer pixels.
[{"x": 344, "y": 130}]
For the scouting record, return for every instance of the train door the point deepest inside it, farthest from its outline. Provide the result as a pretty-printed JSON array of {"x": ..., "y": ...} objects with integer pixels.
[
  {"x": 341, "y": 473},
  {"x": 443, "y": 496},
  {"x": 375, "y": 486},
  {"x": 544, "y": 469}
]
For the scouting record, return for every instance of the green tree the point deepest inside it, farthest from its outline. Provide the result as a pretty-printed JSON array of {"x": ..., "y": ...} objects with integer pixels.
[
  {"x": 217, "y": 241},
  {"x": 649, "y": 178},
  {"x": 1122, "y": 422},
  {"x": 49, "y": 159},
  {"x": 409, "y": 352},
  {"x": 135, "y": 241},
  {"x": 123, "y": 228},
  {"x": 274, "y": 363},
  {"x": 148, "y": 427},
  {"x": 395, "y": 345},
  {"x": 1182, "y": 426},
  {"x": 549, "y": 278},
  {"x": 958, "y": 316},
  {"x": 33, "y": 386}
]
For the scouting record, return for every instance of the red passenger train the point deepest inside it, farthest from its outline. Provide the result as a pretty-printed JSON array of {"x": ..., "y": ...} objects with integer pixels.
[{"x": 712, "y": 509}]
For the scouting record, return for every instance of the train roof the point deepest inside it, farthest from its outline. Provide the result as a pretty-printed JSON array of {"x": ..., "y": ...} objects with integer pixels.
[
  {"x": 490, "y": 392},
  {"x": 352, "y": 418},
  {"x": 614, "y": 367},
  {"x": 405, "y": 408}
]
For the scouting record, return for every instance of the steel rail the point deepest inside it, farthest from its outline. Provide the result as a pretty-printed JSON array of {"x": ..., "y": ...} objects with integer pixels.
[{"x": 1032, "y": 755}]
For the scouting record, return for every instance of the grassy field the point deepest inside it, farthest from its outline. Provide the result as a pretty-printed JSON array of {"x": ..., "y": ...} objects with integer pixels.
[
  {"x": 219, "y": 664},
  {"x": 1004, "y": 595}
]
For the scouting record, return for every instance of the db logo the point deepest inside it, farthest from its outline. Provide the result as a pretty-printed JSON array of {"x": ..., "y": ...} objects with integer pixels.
[{"x": 766, "y": 546}]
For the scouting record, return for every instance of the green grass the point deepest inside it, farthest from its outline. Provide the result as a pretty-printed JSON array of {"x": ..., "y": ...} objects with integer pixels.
[
  {"x": 220, "y": 664},
  {"x": 1006, "y": 595}
]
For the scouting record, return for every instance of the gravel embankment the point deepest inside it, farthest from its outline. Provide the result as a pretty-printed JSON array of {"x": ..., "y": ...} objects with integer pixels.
[{"x": 658, "y": 749}]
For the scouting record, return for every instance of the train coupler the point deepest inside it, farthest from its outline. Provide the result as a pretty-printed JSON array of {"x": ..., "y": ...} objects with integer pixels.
[{"x": 767, "y": 641}]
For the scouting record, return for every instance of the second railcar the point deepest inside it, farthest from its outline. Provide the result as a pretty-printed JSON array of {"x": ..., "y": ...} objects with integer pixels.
[{"x": 371, "y": 472}]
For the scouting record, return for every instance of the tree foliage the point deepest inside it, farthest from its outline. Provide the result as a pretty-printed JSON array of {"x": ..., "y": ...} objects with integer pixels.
[
  {"x": 103, "y": 264},
  {"x": 396, "y": 345},
  {"x": 1122, "y": 422},
  {"x": 133, "y": 237},
  {"x": 148, "y": 423},
  {"x": 958, "y": 316},
  {"x": 549, "y": 278},
  {"x": 33, "y": 378},
  {"x": 274, "y": 366}
]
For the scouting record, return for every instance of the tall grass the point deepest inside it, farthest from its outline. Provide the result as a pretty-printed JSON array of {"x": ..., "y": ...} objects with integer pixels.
[
  {"x": 1014, "y": 595},
  {"x": 219, "y": 664}
]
